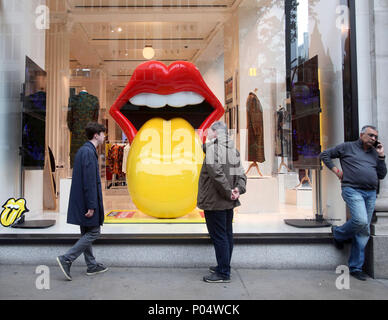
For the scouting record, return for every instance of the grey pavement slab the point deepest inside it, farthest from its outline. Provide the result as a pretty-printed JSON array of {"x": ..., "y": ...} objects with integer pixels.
[{"x": 20, "y": 282}]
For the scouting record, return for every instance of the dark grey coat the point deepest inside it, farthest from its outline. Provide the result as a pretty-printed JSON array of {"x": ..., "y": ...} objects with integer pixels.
[
  {"x": 221, "y": 172},
  {"x": 85, "y": 192}
]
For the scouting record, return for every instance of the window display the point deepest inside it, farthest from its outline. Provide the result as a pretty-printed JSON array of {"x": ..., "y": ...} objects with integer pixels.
[{"x": 272, "y": 70}]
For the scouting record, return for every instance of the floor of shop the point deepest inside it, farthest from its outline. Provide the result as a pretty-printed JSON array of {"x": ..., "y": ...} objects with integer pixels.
[{"x": 262, "y": 223}]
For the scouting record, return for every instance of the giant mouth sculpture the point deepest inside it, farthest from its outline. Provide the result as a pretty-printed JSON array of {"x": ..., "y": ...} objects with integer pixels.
[{"x": 164, "y": 112}]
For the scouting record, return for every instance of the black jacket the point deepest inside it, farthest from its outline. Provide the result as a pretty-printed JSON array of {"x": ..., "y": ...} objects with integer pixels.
[{"x": 85, "y": 192}]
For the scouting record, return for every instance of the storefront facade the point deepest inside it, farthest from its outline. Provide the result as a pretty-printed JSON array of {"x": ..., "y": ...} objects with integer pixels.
[{"x": 294, "y": 78}]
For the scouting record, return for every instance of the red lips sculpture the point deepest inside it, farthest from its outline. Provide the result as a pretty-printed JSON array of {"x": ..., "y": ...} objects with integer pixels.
[{"x": 155, "y": 77}]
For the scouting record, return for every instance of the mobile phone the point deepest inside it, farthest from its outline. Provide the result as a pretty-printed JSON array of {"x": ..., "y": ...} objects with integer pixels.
[{"x": 376, "y": 144}]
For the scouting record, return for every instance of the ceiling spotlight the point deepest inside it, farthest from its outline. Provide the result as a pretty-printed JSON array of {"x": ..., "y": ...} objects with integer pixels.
[
  {"x": 119, "y": 29},
  {"x": 148, "y": 52}
]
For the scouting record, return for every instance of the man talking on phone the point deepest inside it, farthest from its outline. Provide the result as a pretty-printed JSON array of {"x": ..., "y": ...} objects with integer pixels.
[{"x": 362, "y": 165}]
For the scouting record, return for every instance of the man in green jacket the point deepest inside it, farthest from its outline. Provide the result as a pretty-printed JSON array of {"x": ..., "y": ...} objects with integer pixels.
[{"x": 221, "y": 182}]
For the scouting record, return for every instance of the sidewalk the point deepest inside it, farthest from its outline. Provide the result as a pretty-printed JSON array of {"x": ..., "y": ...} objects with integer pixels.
[{"x": 19, "y": 282}]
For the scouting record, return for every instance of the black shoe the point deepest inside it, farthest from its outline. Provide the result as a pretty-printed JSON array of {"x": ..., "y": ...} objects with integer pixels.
[
  {"x": 100, "y": 268},
  {"x": 338, "y": 244},
  {"x": 359, "y": 275},
  {"x": 215, "y": 278},
  {"x": 65, "y": 267},
  {"x": 213, "y": 269}
]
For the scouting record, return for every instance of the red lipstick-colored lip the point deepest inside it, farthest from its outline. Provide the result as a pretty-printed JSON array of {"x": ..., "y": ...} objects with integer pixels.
[{"x": 155, "y": 77}]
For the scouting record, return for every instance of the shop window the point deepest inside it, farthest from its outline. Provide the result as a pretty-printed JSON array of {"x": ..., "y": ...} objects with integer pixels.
[{"x": 279, "y": 68}]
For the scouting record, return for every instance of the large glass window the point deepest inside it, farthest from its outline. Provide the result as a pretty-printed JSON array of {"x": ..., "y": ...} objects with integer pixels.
[{"x": 277, "y": 67}]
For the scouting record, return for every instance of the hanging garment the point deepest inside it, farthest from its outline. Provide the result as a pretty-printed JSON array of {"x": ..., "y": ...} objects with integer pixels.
[
  {"x": 255, "y": 129},
  {"x": 83, "y": 108},
  {"x": 281, "y": 138},
  {"x": 279, "y": 134},
  {"x": 125, "y": 156},
  {"x": 115, "y": 160}
]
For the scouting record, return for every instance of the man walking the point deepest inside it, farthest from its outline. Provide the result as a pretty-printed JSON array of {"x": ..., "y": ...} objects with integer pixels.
[
  {"x": 86, "y": 204},
  {"x": 363, "y": 164},
  {"x": 221, "y": 182}
]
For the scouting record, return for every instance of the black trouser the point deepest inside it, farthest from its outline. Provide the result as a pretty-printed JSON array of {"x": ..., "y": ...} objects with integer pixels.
[
  {"x": 84, "y": 245},
  {"x": 219, "y": 225}
]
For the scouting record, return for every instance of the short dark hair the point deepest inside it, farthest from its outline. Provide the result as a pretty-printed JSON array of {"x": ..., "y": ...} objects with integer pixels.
[{"x": 92, "y": 128}]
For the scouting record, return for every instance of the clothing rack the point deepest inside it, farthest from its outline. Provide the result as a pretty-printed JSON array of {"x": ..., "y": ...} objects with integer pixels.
[{"x": 117, "y": 181}]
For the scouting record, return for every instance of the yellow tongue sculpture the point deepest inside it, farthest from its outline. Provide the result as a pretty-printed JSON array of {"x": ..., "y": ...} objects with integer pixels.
[{"x": 163, "y": 168}]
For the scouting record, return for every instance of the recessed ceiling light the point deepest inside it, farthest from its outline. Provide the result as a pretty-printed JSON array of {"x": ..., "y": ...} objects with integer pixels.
[
  {"x": 119, "y": 29},
  {"x": 148, "y": 52}
]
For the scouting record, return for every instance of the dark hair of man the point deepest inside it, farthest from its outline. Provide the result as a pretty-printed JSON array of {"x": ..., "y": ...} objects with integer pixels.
[{"x": 92, "y": 128}]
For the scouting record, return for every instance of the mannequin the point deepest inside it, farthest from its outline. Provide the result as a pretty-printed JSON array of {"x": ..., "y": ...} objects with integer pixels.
[
  {"x": 306, "y": 178},
  {"x": 83, "y": 108},
  {"x": 255, "y": 131}
]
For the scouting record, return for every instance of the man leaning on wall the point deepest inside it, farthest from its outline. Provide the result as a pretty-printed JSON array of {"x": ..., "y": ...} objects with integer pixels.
[{"x": 363, "y": 164}]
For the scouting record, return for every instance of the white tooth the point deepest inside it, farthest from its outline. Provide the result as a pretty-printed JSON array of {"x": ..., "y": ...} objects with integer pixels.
[
  {"x": 149, "y": 99},
  {"x": 181, "y": 99},
  {"x": 156, "y": 101},
  {"x": 196, "y": 98},
  {"x": 139, "y": 100},
  {"x": 178, "y": 100}
]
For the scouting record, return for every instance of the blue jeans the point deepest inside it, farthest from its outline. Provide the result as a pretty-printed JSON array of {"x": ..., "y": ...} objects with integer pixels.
[
  {"x": 361, "y": 204},
  {"x": 219, "y": 225}
]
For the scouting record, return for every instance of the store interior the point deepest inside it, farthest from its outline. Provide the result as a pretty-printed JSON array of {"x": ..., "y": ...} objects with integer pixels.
[{"x": 239, "y": 47}]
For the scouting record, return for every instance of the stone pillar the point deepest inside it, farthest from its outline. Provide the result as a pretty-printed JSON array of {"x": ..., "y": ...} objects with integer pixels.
[
  {"x": 380, "y": 58},
  {"x": 380, "y": 226},
  {"x": 377, "y": 252},
  {"x": 58, "y": 75}
]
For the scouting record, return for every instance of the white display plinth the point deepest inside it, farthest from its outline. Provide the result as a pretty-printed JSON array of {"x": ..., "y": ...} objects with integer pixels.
[
  {"x": 302, "y": 198},
  {"x": 262, "y": 196},
  {"x": 33, "y": 189},
  {"x": 287, "y": 181},
  {"x": 64, "y": 195}
]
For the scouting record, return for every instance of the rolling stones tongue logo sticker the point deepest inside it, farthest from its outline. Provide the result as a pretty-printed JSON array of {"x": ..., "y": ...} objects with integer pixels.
[
  {"x": 164, "y": 112},
  {"x": 13, "y": 211}
]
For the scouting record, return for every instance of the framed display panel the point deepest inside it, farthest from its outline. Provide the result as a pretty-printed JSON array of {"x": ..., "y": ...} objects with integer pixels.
[
  {"x": 305, "y": 115},
  {"x": 33, "y": 116}
]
